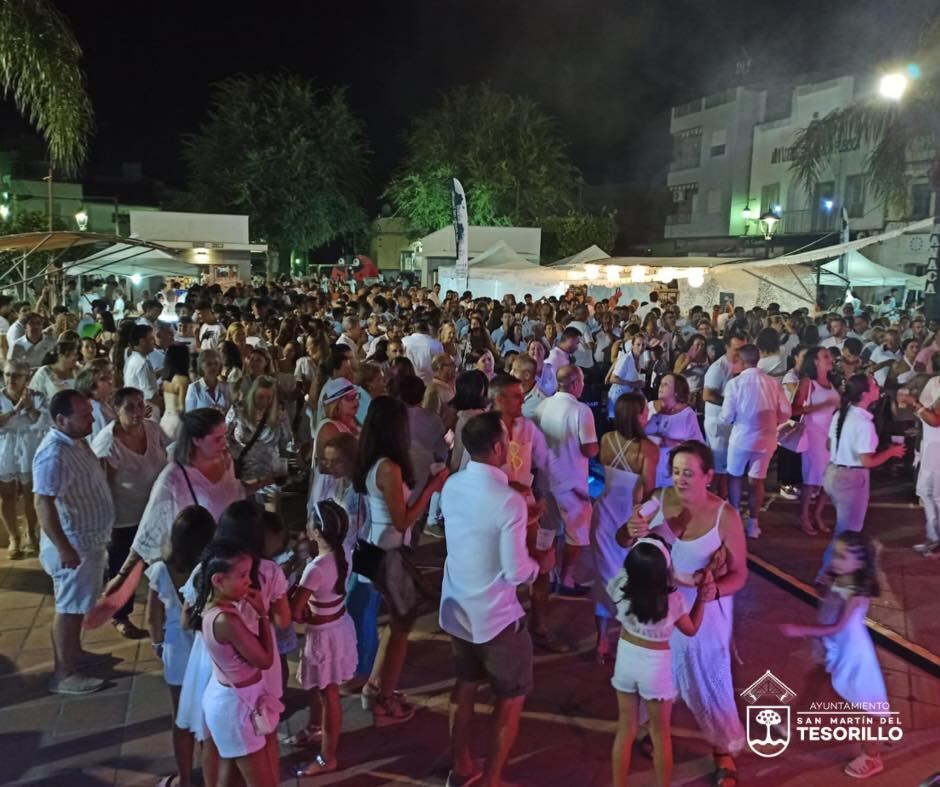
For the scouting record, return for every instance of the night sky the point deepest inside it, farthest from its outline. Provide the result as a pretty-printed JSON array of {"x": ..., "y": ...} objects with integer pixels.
[{"x": 607, "y": 70}]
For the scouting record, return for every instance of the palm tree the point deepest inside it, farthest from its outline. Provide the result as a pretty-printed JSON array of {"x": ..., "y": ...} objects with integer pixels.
[
  {"x": 40, "y": 69},
  {"x": 890, "y": 129}
]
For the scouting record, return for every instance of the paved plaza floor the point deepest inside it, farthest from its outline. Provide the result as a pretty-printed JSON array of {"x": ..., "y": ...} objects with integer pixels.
[{"x": 121, "y": 736}]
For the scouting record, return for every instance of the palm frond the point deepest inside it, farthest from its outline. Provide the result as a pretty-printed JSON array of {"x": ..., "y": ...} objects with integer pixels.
[{"x": 40, "y": 68}]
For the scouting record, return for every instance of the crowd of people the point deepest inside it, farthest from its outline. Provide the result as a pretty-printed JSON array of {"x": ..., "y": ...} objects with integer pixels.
[{"x": 157, "y": 439}]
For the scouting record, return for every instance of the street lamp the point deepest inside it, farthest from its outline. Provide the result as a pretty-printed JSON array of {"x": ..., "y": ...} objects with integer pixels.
[
  {"x": 768, "y": 225},
  {"x": 4, "y": 212},
  {"x": 893, "y": 86},
  {"x": 81, "y": 219}
]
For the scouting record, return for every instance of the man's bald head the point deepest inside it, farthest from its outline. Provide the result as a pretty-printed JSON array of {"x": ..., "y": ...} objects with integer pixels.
[{"x": 570, "y": 379}]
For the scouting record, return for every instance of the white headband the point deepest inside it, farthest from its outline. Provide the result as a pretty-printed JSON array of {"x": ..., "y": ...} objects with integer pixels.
[{"x": 659, "y": 545}]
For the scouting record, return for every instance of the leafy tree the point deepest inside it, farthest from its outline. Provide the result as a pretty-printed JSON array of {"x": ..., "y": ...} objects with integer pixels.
[
  {"x": 565, "y": 235},
  {"x": 505, "y": 151},
  {"x": 39, "y": 69},
  {"x": 893, "y": 129},
  {"x": 286, "y": 153}
]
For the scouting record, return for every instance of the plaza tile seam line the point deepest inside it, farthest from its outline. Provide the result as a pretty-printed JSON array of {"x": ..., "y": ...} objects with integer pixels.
[{"x": 898, "y": 644}]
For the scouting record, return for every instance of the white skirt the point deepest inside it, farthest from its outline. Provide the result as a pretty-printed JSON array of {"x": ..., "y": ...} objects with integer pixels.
[
  {"x": 190, "y": 715},
  {"x": 177, "y": 645},
  {"x": 329, "y": 654},
  {"x": 227, "y": 711}
]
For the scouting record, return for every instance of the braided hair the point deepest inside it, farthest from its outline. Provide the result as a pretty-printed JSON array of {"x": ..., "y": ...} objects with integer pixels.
[
  {"x": 332, "y": 522},
  {"x": 217, "y": 558},
  {"x": 855, "y": 388}
]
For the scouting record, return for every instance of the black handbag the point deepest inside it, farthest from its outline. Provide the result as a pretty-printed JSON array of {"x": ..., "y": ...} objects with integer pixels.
[{"x": 366, "y": 558}]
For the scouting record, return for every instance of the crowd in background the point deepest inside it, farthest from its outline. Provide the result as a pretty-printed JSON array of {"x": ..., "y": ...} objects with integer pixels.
[{"x": 169, "y": 433}]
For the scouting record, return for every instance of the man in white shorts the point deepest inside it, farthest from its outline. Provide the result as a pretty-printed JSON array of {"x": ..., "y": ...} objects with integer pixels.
[
  {"x": 755, "y": 405},
  {"x": 716, "y": 431},
  {"x": 76, "y": 514},
  {"x": 568, "y": 426}
]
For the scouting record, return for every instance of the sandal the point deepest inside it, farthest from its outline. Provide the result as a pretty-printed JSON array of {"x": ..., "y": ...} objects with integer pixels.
[
  {"x": 863, "y": 766},
  {"x": 308, "y": 736},
  {"x": 317, "y": 767},
  {"x": 128, "y": 630}
]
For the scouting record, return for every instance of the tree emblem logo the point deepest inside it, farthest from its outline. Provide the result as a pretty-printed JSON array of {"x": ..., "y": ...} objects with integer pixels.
[{"x": 768, "y": 726}]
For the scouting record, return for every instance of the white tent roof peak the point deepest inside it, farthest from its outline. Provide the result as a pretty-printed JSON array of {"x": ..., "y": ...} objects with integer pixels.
[
  {"x": 862, "y": 272},
  {"x": 500, "y": 255},
  {"x": 592, "y": 253}
]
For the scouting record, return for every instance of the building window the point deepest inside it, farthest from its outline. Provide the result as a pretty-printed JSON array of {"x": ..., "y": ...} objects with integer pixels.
[
  {"x": 684, "y": 203},
  {"x": 714, "y": 201},
  {"x": 920, "y": 200},
  {"x": 769, "y": 197},
  {"x": 855, "y": 196},
  {"x": 687, "y": 148},
  {"x": 719, "y": 140}
]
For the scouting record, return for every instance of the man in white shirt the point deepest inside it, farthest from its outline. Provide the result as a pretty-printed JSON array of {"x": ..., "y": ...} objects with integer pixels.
[
  {"x": 32, "y": 347},
  {"x": 568, "y": 426},
  {"x": 562, "y": 354},
  {"x": 717, "y": 431},
  {"x": 883, "y": 357},
  {"x": 151, "y": 309},
  {"x": 647, "y": 307},
  {"x": 138, "y": 373},
  {"x": 210, "y": 333},
  {"x": 163, "y": 339},
  {"x": 523, "y": 369},
  {"x": 584, "y": 352},
  {"x": 18, "y": 326},
  {"x": 487, "y": 559},
  {"x": 420, "y": 348},
  {"x": 6, "y": 312},
  {"x": 755, "y": 405},
  {"x": 351, "y": 335},
  {"x": 838, "y": 333}
]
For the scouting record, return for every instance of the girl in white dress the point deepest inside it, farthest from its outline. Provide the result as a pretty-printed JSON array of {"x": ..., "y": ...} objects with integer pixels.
[
  {"x": 191, "y": 533},
  {"x": 816, "y": 400},
  {"x": 671, "y": 421},
  {"x": 705, "y": 533},
  {"x": 650, "y": 609},
  {"x": 850, "y": 653},
  {"x": 22, "y": 428},
  {"x": 629, "y": 459},
  {"x": 329, "y": 655}
]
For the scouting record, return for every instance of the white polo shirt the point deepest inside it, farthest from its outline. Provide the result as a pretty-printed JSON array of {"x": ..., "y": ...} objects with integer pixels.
[
  {"x": 858, "y": 437},
  {"x": 755, "y": 405},
  {"x": 138, "y": 373},
  {"x": 567, "y": 425},
  {"x": 421, "y": 349}
]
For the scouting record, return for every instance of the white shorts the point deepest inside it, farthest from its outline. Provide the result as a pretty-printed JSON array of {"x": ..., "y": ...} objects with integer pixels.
[
  {"x": 755, "y": 463},
  {"x": 570, "y": 513},
  {"x": 75, "y": 589},
  {"x": 643, "y": 671},
  {"x": 717, "y": 434}
]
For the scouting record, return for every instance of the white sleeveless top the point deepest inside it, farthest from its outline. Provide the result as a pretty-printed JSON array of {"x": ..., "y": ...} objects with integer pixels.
[
  {"x": 688, "y": 556},
  {"x": 382, "y": 532}
]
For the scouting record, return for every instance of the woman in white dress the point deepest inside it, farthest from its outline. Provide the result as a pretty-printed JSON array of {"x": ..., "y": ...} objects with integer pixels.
[
  {"x": 628, "y": 372},
  {"x": 671, "y": 421},
  {"x": 21, "y": 431},
  {"x": 693, "y": 364},
  {"x": 133, "y": 449},
  {"x": 544, "y": 375},
  {"x": 816, "y": 400},
  {"x": 175, "y": 388},
  {"x": 340, "y": 404},
  {"x": 209, "y": 390},
  {"x": 704, "y": 532},
  {"x": 59, "y": 373},
  {"x": 629, "y": 458}
]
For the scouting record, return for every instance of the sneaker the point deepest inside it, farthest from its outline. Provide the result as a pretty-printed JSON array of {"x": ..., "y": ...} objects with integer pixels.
[
  {"x": 75, "y": 684},
  {"x": 128, "y": 630},
  {"x": 927, "y": 548},
  {"x": 388, "y": 711},
  {"x": 753, "y": 529},
  {"x": 434, "y": 530},
  {"x": 863, "y": 766}
]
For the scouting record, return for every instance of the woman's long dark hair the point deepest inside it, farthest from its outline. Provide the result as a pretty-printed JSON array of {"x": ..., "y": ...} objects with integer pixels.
[
  {"x": 649, "y": 582},
  {"x": 865, "y": 579},
  {"x": 332, "y": 521},
  {"x": 627, "y": 411},
  {"x": 808, "y": 367},
  {"x": 191, "y": 533},
  {"x": 855, "y": 388},
  {"x": 217, "y": 558},
  {"x": 384, "y": 435},
  {"x": 176, "y": 362},
  {"x": 243, "y": 523},
  {"x": 471, "y": 390},
  {"x": 196, "y": 424}
]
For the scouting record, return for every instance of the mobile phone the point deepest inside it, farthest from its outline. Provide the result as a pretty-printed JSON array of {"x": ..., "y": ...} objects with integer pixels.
[{"x": 649, "y": 509}]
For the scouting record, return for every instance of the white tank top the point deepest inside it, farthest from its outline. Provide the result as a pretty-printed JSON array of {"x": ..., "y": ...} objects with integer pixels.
[{"x": 382, "y": 532}]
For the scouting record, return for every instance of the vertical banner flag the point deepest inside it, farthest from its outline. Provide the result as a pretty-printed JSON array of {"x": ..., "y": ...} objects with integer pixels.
[
  {"x": 458, "y": 202},
  {"x": 931, "y": 297}
]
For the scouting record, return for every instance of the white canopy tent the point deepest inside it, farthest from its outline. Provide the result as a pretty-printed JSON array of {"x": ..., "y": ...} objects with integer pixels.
[
  {"x": 123, "y": 259},
  {"x": 862, "y": 272}
]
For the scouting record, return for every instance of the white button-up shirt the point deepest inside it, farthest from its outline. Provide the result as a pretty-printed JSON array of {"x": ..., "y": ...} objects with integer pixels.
[
  {"x": 68, "y": 471},
  {"x": 486, "y": 553},
  {"x": 138, "y": 373},
  {"x": 32, "y": 354},
  {"x": 880, "y": 355},
  {"x": 567, "y": 425},
  {"x": 421, "y": 349},
  {"x": 755, "y": 405},
  {"x": 716, "y": 378},
  {"x": 858, "y": 437}
]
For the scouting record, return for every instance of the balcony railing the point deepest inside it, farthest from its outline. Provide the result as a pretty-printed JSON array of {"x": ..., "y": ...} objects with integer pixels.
[{"x": 807, "y": 222}]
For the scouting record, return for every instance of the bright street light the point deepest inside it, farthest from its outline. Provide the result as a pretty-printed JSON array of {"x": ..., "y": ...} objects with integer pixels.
[
  {"x": 81, "y": 219},
  {"x": 893, "y": 86},
  {"x": 4, "y": 212}
]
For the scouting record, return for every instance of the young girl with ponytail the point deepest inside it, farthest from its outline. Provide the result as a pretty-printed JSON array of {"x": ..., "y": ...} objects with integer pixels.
[
  {"x": 853, "y": 451},
  {"x": 240, "y": 713},
  {"x": 329, "y": 655}
]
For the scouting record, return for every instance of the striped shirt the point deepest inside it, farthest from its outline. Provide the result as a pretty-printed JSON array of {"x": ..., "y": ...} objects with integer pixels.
[{"x": 67, "y": 470}]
